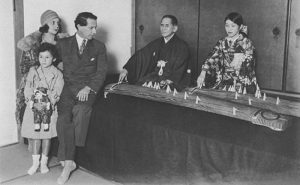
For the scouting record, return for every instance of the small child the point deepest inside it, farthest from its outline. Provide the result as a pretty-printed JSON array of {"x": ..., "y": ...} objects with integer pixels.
[{"x": 43, "y": 87}]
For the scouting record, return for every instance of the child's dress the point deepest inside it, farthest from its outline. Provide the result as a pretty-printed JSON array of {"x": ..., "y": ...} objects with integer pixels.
[{"x": 52, "y": 80}]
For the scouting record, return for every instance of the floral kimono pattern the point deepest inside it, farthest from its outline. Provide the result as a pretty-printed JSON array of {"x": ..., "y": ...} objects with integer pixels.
[
  {"x": 230, "y": 66},
  {"x": 29, "y": 58}
]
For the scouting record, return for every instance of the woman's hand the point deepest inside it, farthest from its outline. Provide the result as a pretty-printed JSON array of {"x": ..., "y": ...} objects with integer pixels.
[
  {"x": 123, "y": 75},
  {"x": 200, "y": 80}
]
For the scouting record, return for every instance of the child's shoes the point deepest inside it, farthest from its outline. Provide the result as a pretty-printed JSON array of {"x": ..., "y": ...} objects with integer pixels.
[
  {"x": 35, "y": 164},
  {"x": 37, "y": 127},
  {"x": 46, "y": 127},
  {"x": 44, "y": 161}
]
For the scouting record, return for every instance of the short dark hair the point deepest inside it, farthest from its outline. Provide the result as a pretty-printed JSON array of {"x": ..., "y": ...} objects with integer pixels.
[
  {"x": 48, "y": 47},
  {"x": 235, "y": 17},
  {"x": 45, "y": 29},
  {"x": 82, "y": 17},
  {"x": 174, "y": 20}
]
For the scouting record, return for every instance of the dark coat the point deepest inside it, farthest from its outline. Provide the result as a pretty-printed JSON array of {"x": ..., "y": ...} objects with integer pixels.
[
  {"x": 142, "y": 66},
  {"x": 89, "y": 69}
]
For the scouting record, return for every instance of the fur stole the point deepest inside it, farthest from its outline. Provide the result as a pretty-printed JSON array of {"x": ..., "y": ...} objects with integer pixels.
[{"x": 34, "y": 38}]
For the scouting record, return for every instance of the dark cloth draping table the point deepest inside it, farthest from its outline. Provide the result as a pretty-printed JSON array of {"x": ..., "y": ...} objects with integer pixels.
[{"x": 138, "y": 139}]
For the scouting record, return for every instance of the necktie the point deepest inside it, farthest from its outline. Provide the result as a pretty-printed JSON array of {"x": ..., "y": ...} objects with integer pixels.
[{"x": 82, "y": 47}]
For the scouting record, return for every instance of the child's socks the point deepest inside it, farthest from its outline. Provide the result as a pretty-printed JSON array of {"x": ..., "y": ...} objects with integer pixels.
[
  {"x": 35, "y": 164},
  {"x": 44, "y": 161}
]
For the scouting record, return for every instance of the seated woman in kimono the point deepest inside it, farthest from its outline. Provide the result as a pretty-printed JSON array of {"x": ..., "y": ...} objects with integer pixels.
[{"x": 230, "y": 66}]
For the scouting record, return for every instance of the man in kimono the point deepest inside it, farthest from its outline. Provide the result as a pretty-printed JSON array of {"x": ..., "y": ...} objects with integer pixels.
[
  {"x": 164, "y": 61},
  {"x": 84, "y": 70}
]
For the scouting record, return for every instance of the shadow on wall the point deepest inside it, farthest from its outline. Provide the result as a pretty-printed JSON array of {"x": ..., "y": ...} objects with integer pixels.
[
  {"x": 102, "y": 35},
  {"x": 63, "y": 26}
]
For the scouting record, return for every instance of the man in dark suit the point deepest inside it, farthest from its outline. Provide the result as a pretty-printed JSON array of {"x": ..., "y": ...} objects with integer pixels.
[{"x": 84, "y": 69}]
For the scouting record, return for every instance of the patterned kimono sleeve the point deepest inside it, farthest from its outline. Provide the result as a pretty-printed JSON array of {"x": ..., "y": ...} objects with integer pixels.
[
  {"x": 29, "y": 86},
  {"x": 248, "y": 66},
  {"x": 22, "y": 63},
  {"x": 211, "y": 64},
  {"x": 28, "y": 59}
]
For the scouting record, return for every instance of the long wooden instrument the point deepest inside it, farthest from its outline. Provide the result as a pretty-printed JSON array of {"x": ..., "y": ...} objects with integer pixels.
[
  {"x": 223, "y": 103},
  {"x": 286, "y": 107}
]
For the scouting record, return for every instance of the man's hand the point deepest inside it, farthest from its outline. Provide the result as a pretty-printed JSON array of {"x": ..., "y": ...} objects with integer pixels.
[
  {"x": 83, "y": 94},
  {"x": 123, "y": 75}
]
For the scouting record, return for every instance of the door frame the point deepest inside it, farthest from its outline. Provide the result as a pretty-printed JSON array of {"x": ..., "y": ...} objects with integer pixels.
[{"x": 18, "y": 8}]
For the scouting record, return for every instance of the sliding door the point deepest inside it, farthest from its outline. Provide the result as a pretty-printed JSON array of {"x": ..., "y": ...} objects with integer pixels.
[{"x": 148, "y": 17}]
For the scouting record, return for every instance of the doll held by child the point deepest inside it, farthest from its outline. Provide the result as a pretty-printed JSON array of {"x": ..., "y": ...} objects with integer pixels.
[{"x": 41, "y": 107}]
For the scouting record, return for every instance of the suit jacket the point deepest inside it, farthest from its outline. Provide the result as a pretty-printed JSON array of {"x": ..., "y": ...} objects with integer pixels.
[{"x": 88, "y": 69}]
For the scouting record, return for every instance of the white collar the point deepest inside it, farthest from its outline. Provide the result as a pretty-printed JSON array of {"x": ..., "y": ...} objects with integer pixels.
[{"x": 79, "y": 40}]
